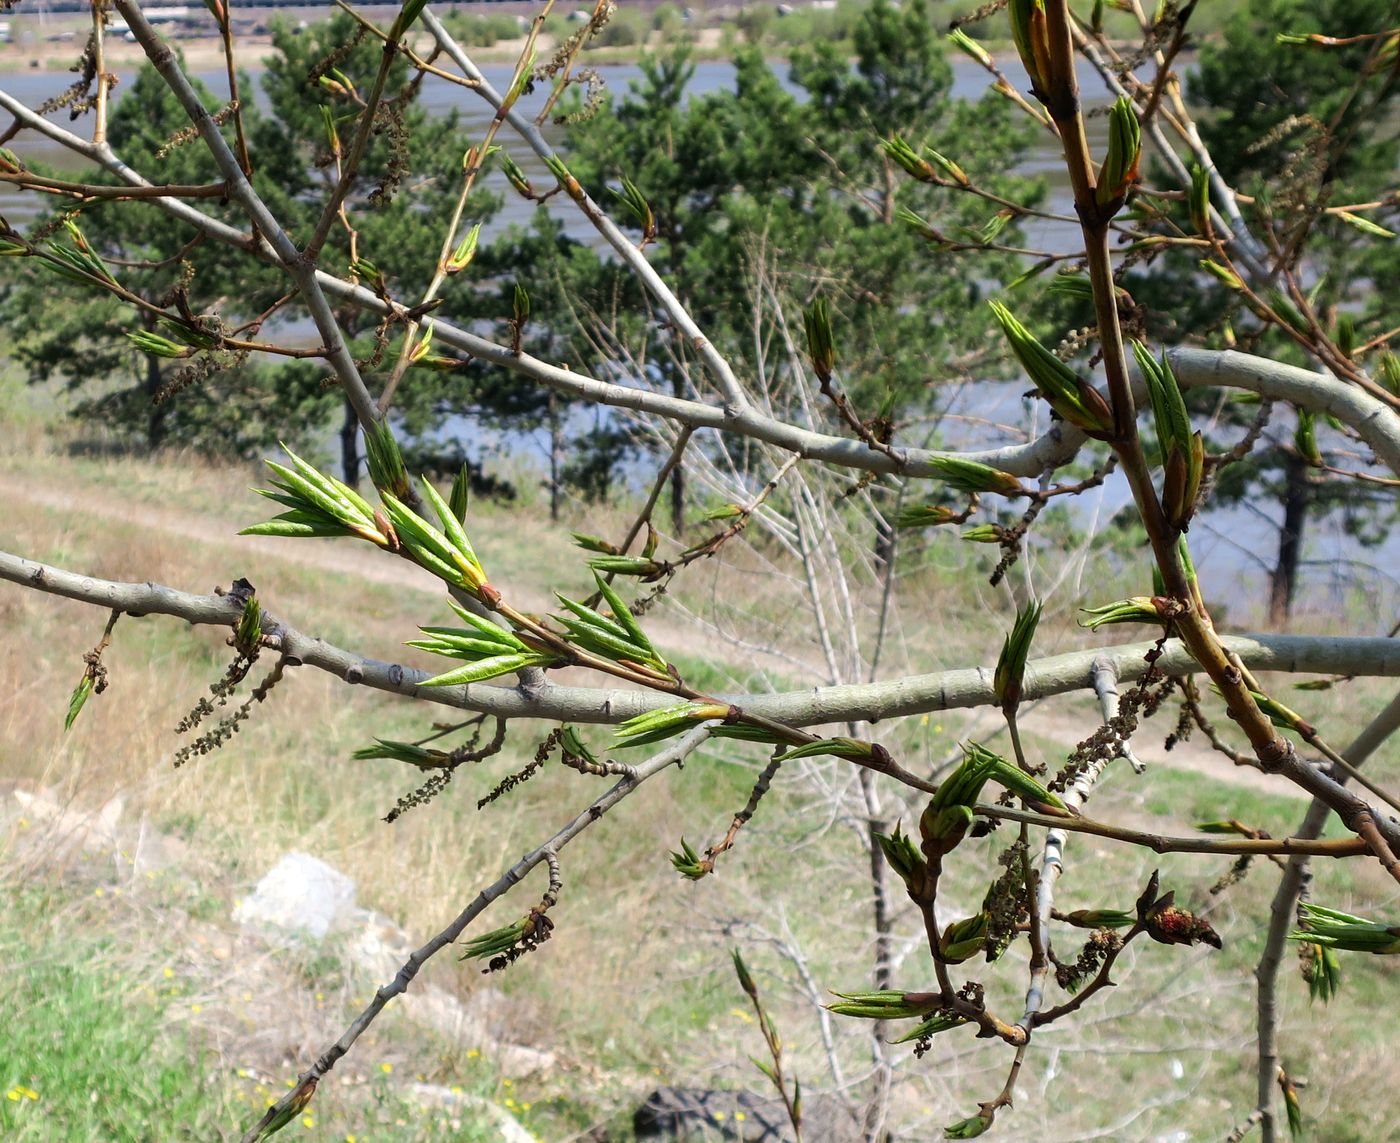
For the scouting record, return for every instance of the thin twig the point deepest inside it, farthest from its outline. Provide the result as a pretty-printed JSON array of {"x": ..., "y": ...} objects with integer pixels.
[{"x": 546, "y": 853}]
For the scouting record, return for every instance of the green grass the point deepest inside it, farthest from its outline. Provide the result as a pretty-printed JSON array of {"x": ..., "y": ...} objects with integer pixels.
[
  {"x": 105, "y": 1045},
  {"x": 88, "y": 1056}
]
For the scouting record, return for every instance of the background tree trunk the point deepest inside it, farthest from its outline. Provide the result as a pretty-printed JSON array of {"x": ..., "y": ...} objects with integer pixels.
[
  {"x": 1284, "y": 580},
  {"x": 350, "y": 447}
]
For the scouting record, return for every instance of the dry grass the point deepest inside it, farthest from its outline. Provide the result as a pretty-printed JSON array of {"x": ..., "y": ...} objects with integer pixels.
[{"x": 635, "y": 985}]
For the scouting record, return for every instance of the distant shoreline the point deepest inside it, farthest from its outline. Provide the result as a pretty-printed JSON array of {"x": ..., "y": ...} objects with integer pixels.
[
  {"x": 205, "y": 53},
  {"x": 201, "y": 55}
]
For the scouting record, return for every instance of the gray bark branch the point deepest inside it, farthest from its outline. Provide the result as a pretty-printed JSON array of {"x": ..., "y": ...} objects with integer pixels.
[{"x": 857, "y": 702}]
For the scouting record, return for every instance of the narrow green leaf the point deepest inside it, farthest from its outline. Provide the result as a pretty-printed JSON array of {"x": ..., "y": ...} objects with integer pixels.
[
  {"x": 451, "y": 524},
  {"x": 1365, "y": 225},
  {"x": 839, "y": 747},
  {"x": 587, "y": 617},
  {"x": 334, "y": 488},
  {"x": 296, "y": 524},
  {"x": 486, "y": 669},
  {"x": 76, "y": 700},
  {"x": 311, "y": 493},
  {"x": 623, "y": 614}
]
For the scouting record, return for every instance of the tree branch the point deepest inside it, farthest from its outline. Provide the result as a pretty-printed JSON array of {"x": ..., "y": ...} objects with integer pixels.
[
  {"x": 1283, "y": 917},
  {"x": 545, "y": 853},
  {"x": 300, "y": 269},
  {"x": 858, "y": 702}
]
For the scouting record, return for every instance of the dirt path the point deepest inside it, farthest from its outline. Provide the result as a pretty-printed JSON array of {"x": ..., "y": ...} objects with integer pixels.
[
  {"x": 340, "y": 558},
  {"x": 359, "y": 561}
]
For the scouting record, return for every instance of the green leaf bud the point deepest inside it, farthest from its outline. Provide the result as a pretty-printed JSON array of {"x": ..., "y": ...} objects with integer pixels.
[
  {"x": 1334, "y": 929},
  {"x": 820, "y": 345},
  {"x": 971, "y": 1127},
  {"x": 465, "y": 251},
  {"x": 1321, "y": 969},
  {"x": 408, "y": 14},
  {"x": 925, "y": 516},
  {"x": 970, "y": 47},
  {"x": 666, "y": 722},
  {"x": 938, "y": 1022},
  {"x": 81, "y": 693},
  {"x": 1100, "y": 918},
  {"x": 1305, "y": 438},
  {"x": 973, "y": 476},
  {"x": 851, "y": 748},
  {"x": 386, "y": 467},
  {"x": 1011, "y": 663},
  {"x": 301, "y": 1098},
  {"x": 885, "y": 1004},
  {"x": 746, "y": 981},
  {"x": 687, "y": 862},
  {"x": 1120, "y": 166},
  {"x": 903, "y": 857},
  {"x": 460, "y": 496},
  {"x": 1222, "y": 274},
  {"x": 905, "y": 155},
  {"x": 955, "y": 172},
  {"x": 157, "y": 346},
  {"x": 1075, "y": 400},
  {"x": 1135, "y": 609},
  {"x": 638, "y": 207},
  {"x": 248, "y": 633},
  {"x": 962, "y": 940},
  {"x": 1200, "y": 200},
  {"x": 516, "y": 177},
  {"x": 1031, "y": 35},
  {"x": 1365, "y": 225}
]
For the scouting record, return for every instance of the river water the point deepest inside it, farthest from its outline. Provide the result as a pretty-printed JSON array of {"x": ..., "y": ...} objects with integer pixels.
[
  {"x": 1236, "y": 544},
  {"x": 33, "y": 87}
]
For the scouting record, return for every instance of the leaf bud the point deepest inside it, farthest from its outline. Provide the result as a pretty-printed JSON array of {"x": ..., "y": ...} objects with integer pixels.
[
  {"x": 971, "y": 1127},
  {"x": 1337, "y": 930},
  {"x": 1200, "y": 200},
  {"x": 970, "y": 47},
  {"x": 962, "y": 940},
  {"x": 1135, "y": 609},
  {"x": 1223, "y": 274},
  {"x": 1070, "y": 396},
  {"x": 973, "y": 476},
  {"x": 1305, "y": 438},
  {"x": 925, "y": 516},
  {"x": 1031, "y": 35},
  {"x": 1099, "y": 918},
  {"x": 1120, "y": 166},
  {"x": 820, "y": 346},
  {"x": 465, "y": 251},
  {"x": 1011, "y": 664}
]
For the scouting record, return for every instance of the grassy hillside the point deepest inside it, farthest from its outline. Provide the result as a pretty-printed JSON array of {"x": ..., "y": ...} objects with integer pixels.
[{"x": 189, "y": 1028}]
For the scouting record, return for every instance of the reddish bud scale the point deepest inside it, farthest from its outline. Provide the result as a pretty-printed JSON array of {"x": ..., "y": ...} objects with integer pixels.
[{"x": 1173, "y": 926}]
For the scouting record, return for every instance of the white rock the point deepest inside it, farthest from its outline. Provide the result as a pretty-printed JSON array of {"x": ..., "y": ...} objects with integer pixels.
[{"x": 299, "y": 894}]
